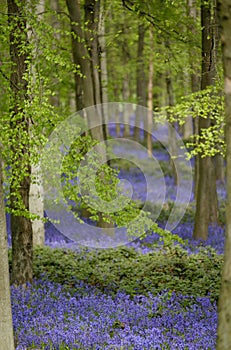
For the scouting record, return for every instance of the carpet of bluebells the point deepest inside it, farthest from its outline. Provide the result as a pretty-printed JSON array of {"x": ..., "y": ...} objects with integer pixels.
[{"x": 47, "y": 315}]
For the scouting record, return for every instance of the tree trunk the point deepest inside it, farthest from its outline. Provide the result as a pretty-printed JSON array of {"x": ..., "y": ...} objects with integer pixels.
[
  {"x": 188, "y": 128},
  {"x": 6, "y": 327},
  {"x": 82, "y": 59},
  {"x": 219, "y": 168},
  {"x": 202, "y": 207},
  {"x": 206, "y": 201},
  {"x": 172, "y": 141},
  {"x": 218, "y": 159},
  {"x": 92, "y": 20},
  {"x": 86, "y": 56},
  {"x": 140, "y": 81},
  {"x": 126, "y": 114},
  {"x": 224, "y": 305},
  {"x": 92, "y": 13},
  {"x": 55, "y": 6},
  {"x": 36, "y": 190},
  {"x": 103, "y": 65},
  {"x": 36, "y": 206},
  {"x": 21, "y": 227},
  {"x": 126, "y": 83},
  {"x": 150, "y": 95},
  {"x": 195, "y": 74},
  {"x": 78, "y": 51},
  {"x": 195, "y": 83}
]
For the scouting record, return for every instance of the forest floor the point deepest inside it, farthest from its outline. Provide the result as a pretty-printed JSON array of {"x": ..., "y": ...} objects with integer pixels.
[{"x": 145, "y": 295}]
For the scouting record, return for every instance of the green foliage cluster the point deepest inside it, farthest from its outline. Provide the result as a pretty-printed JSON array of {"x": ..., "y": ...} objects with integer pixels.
[
  {"x": 208, "y": 103},
  {"x": 166, "y": 19},
  {"x": 49, "y": 73},
  {"x": 99, "y": 188},
  {"x": 168, "y": 268}
]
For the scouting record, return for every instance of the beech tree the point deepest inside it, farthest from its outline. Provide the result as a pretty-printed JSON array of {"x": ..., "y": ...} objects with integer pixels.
[
  {"x": 88, "y": 83},
  {"x": 224, "y": 305},
  {"x": 206, "y": 197},
  {"x": 6, "y": 327},
  {"x": 87, "y": 79},
  {"x": 150, "y": 96},
  {"x": 21, "y": 226},
  {"x": 27, "y": 116},
  {"x": 193, "y": 12},
  {"x": 140, "y": 79}
]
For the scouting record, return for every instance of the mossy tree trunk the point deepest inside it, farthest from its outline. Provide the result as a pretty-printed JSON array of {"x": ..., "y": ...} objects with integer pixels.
[{"x": 21, "y": 227}]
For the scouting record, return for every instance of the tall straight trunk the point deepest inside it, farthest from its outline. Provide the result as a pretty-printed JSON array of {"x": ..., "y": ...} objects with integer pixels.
[
  {"x": 6, "y": 326},
  {"x": 92, "y": 21},
  {"x": 21, "y": 227},
  {"x": 126, "y": 82},
  {"x": 219, "y": 168},
  {"x": 140, "y": 80},
  {"x": 36, "y": 204},
  {"x": 224, "y": 305},
  {"x": 187, "y": 127},
  {"x": 171, "y": 131},
  {"x": 103, "y": 65},
  {"x": 126, "y": 111},
  {"x": 85, "y": 55},
  {"x": 195, "y": 83},
  {"x": 92, "y": 13},
  {"x": 202, "y": 217},
  {"x": 218, "y": 159},
  {"x": 172, "y": 141},
  {"x": 55, "y": 6},
  {"x": 207, "y": 202},
  {"x": 81, "y": 58},
  {"x": 78, "y": 51},
  {"x": 159, "y": 97},
  {"x": 150, "y": 95}
]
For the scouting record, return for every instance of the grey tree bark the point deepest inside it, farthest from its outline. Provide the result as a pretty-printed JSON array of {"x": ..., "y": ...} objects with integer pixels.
[
  {"x": 224, "y": 305},
  {"x": 103, "y": 63},
  {"x": 85, "y": 81},
  {"x": 171, "y": 131},
  {"x": 36, "y": 204},
  {"x": 150, "y": 95},
  {"x": 126, "y": 81},
  {"x": 140, "y": 80},
  {"x": 21, "y": 227},
  {"x": 6, "y": 327},
  {"x": 55, "y": 6},
  {"x": 85, "y": 48},
  {"x": 206, "y": 201},
  {"x": 172, "y": 141},
  {"x": 195, "y": 72},
  {"x": 195, "y": 83}
]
